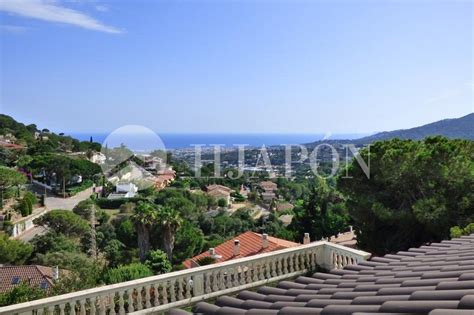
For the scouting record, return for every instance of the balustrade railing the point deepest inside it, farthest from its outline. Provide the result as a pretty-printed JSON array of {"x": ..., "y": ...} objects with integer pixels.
[{"x": 180, "y": 288}]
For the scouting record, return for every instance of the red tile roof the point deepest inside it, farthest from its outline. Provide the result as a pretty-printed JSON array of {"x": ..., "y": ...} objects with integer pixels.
[
  {"x": 250, "y": 244},
  {"x": 268, "y": 185},
  {"x": 218, "y": 187},
  {"x": 12, "y": 146},
  {"x": 32, "y": 274}
]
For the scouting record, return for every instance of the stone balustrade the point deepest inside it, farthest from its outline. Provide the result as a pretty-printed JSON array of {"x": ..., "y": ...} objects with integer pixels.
[{"x": 180, "y": 288}]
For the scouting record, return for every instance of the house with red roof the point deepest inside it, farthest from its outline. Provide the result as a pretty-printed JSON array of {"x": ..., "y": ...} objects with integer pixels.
[
  {"x": 11, "y": 146},
  {"x": 35, "y": 276},
  {"x": 243, "y": 245},
  {"x": 219, "y": 192}
]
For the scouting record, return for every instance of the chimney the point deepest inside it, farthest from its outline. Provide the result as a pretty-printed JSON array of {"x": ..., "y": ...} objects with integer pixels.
[
  {"x": 306, "y": 239},
  {"x": 350, "y": 228},
  {"x": 236, "y": 251},
  {"x": 213, "y": 254},
  {"x": 264, "y": 240},
  {"x": 55, "y": 273}
]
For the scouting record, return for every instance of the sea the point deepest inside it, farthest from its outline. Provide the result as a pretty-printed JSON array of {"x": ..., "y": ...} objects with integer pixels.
[{"x": 174, "y": 141}]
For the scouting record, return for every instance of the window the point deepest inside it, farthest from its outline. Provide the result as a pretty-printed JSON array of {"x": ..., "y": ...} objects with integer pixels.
[
  {"x": 44, "y": 285},
  {"x": 15, "y": 280}
]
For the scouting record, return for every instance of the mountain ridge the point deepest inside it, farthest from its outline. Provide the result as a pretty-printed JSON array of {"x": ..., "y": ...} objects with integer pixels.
[{"x": 459, "y": 128}]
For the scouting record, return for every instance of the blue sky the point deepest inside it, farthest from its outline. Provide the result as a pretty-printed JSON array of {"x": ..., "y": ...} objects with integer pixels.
[{"x": 236, "y": 66}]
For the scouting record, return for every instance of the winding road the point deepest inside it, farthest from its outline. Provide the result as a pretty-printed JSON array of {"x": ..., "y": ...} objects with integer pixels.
[{"x": 53, "y": 203}]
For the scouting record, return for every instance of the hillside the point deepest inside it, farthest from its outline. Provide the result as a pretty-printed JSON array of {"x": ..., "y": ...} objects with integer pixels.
[
  {"x": 460, "y": 128},
  {"x": 40, "y": 140}
]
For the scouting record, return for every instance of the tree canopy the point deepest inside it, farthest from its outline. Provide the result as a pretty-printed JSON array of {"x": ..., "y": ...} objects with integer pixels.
[
  {"x": 417, "y": 190},
  {"x": 64, "y": 221},
  {"x": 13, "y": 251}
]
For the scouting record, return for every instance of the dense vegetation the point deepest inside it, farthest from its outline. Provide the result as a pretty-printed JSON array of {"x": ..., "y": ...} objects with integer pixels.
[
  {"x": 417, "y": 190},
  {"x": 25, "y": 135}
]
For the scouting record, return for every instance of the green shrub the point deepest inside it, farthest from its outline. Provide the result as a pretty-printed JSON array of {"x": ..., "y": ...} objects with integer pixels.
[
  {"x": 222, "y": 203},
  {"x": 469, "y": 229},
  {"x": 158, "y": 262},
  {"x": 7, "y": 227},
  {"x": 84, "y": 209},
  {"x": 14, "y": 252},
  {"x": 457, "y": 231},
  {"x": 105, "y": 203},
  {"x": 31, "y": 197},
  {"x": 21, "y": 293},
  {"x": 81, "y": 187},
  {"x": 127, "y": 273},
  {"x": 204, "y": 261},
  {"x": 25, "y": 207}
]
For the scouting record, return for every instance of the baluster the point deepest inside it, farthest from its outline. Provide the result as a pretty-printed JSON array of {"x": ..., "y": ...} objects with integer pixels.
[
  {"x": 274, "y": 271},
  {"x": 121, "y": 303},
  {"x": 268, "y": 273},
  {"x": 40, "y": 311},
  {"x": 254, "y": 272},
  {"x": 130, "y": 300},
  {"x": 188, "y": 287},
  {"x": 313, "y": 261},
  {"x": 308, "y": 260},
  {"x": 215, "y": 281},
  {"x": 102, "y": 305},
  {"x": 50, "y": 310},
  {"x": 156, "y": 295},
  {"x": 147, "y": 296},
  {"x": 261, "y": 271},
  {"x": 228, "y": 280},
  {"x": 172, "y": 291},
  {"x": 242, "y": 275},
  {"x": 112, "y": 304},
  {"x": 92, "y": 303},
  {"x": 222, "y": 279},
  {"x": 301, "y": 261},
  {"x": 285, "y": 264},
  {"x": 248, "y": 273},
  {"x": 180, "y": 289},
  {"x": 61, "y": 309},
  {"x": 139, "y": 299},
  {"x": 235, "y": 272},
  {"x": 164, "y": 293},
  {"x": 292, "y": 257},
  {"x": 72, "y": 305},
  {"x": 207, "y": 283},
  {"x": 278, "y": 266},
  {"x": 82, "y": 309}
]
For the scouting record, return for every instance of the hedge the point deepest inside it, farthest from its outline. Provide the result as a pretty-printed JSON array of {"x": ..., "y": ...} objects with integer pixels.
[{"x": 105, "y": 203}]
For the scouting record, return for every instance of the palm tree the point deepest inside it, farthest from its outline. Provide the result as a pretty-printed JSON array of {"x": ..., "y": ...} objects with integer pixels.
[
  {"x": 144, "y": 217},
  {"x": 170, "y": 221}
]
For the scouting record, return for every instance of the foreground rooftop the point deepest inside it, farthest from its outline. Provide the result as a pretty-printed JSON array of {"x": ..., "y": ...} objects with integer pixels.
[{"x": 436, "y": 280}]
